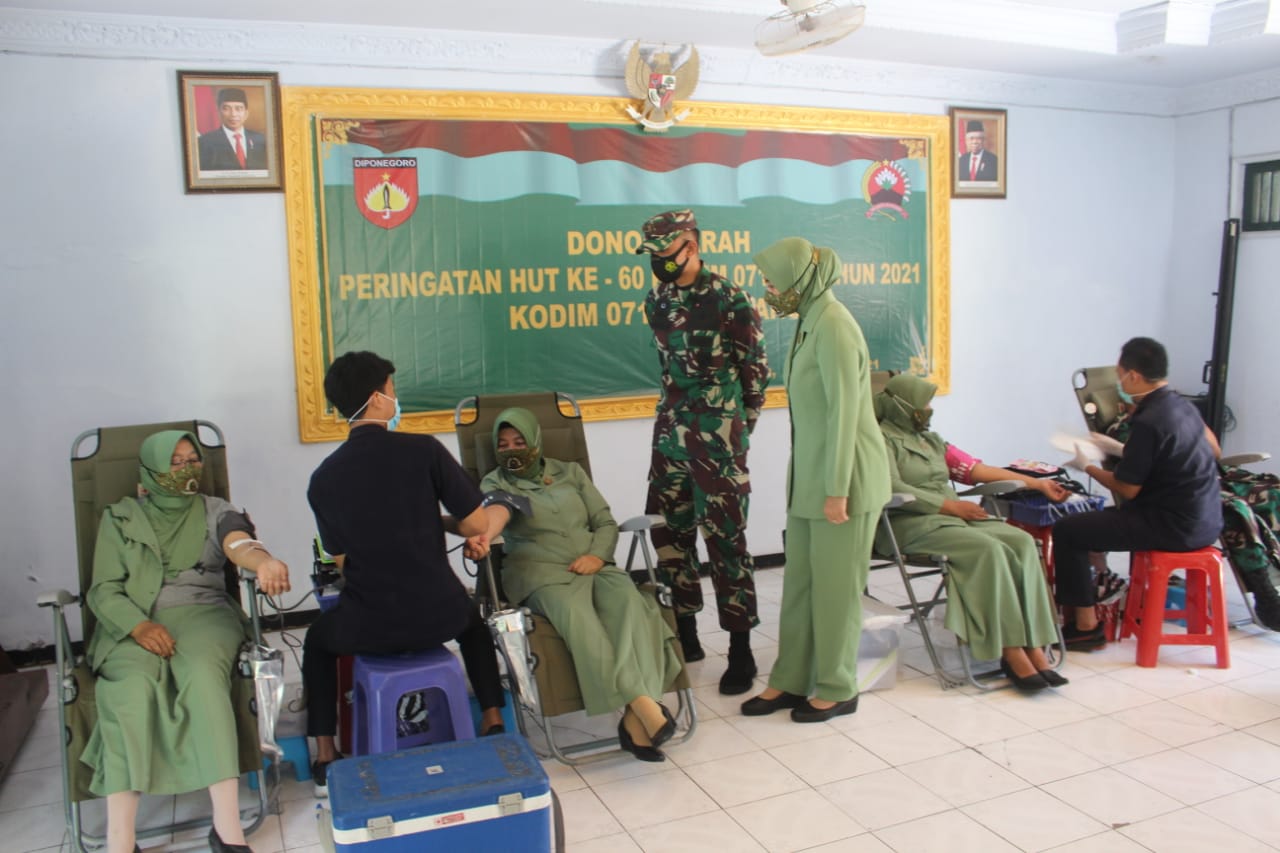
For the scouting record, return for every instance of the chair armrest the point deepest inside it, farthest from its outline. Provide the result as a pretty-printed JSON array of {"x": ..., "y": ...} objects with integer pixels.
[
  {"x": 56, "y": 598},
  {"x": 1249, "y": 458},
  {"x": 898, "y": 499},
  {"x": 996, "y": 487},
  {"x": 642, "y": 522}
]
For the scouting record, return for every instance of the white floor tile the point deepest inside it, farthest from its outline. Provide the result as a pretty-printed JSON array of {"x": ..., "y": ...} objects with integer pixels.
[
  {"x": 873, "y": 710},
  {"x": 713, "y": 739},
  {"x": 975, "y": 724},
  {"x": 1038, "y": 758},
  {"x": 1033, "y": 820},
  {"x": 1164, "y": 681},
  {"x": 883, "y": 798},
  {"x": 563, "y": 778},
  {"x": 777, "y": 729},
  {"x": 585, "y": 817},
  {"x": 1191, "y": 831},
  {"x": 1183, "y": 776},
  {"x": 1242, "y": 754},
  {"x": 1255, "y": 812},
  {"x": 620, "y": 843},
  {"x": 1043, "y": 710},
  {"x": 1224, "y": 704},
  {"x": 1106, "y": 740},
  {"x": 1110, "y": 841},
  {"x": 948, "y": 832},
  {"x": 30, "y": 788},
  {"x": 827, "y": 759},
  {"x": 1172, "y": 724},
  {"x": 795, "y": 821},
  {"x": 904, "y": 741},
  {"x": 1264, "y": 685},
  {"x": 1105, "y": 695},
  {"x": 698, "y": 834},
  {"x": 964, "y": 777},
  {"x": 744, "y": 778},
  {"x": 1111, "y": 797},
  {"x": 865, "y": 843},
  {"x": 647, "y": 800},
  {"x": 34, "y": 828}
]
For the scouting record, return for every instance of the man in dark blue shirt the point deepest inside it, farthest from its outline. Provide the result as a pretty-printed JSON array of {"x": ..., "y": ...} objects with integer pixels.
[
  {"x": 377, "y": 502},
  {"x": 1167, "y": 479}
]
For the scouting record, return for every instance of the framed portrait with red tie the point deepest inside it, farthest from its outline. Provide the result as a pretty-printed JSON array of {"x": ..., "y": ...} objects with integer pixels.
[
  {"x": 979, "y": 152},
  {"x": 230, "y": 131}
]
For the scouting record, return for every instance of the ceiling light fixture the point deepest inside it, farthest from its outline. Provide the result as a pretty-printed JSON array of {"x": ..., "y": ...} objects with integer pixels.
[{"x": 806, "y": 24}]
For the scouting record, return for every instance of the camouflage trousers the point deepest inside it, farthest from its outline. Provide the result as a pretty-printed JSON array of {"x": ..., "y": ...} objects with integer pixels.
[{"x": 711, "y": 494}]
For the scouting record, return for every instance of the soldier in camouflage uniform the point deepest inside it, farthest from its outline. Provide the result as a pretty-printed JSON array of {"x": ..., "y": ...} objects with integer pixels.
[{"x": 714, "y": 375}]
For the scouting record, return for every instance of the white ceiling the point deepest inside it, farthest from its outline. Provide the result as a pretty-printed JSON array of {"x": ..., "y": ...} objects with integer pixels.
[{"x": 1174, "y": 43}]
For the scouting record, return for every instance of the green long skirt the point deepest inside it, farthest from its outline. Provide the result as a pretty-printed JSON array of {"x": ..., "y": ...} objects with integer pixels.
[{"x": 167, "y": 726}]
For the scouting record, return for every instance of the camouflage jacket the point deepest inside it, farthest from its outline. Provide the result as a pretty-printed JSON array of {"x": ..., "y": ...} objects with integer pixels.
[{"x": 714, "y": 369}]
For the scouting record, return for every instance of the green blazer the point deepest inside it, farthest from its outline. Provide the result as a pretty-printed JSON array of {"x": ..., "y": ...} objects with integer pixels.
[
  {"x": 918, "y": 462},
  {"x": 570, "y": 518},
  {"x": 836, "y": 444}
]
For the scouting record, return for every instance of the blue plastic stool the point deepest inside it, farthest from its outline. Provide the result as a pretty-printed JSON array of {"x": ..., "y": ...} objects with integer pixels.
[
  {"x": 379, "y": 682},
  {"x": 295, "y": 752}
]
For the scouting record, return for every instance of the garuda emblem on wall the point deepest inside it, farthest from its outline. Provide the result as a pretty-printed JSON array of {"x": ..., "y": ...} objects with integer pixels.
[{"x": 659, "y": 86}]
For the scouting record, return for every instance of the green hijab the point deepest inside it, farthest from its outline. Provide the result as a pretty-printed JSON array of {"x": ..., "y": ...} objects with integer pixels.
[
  {"x": 902, "y": 398},
  {"x": 176, "y": 516},
  {"x": 794, "y": 262},
  {"x": 526, "y": 463}
]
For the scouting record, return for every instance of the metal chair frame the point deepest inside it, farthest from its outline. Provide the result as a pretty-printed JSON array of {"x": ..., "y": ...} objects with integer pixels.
[
  {"x": 506, "y": 619},
  {"x": 68, "y": 687}
]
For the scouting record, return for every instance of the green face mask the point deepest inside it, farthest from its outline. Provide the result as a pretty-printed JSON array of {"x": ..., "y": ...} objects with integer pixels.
[
  {"x": 520, "y": 461},
  {"x": 786, "y": 302},
  {"x": 920, "y": 418},
  {"x": 184, "y": 481}
]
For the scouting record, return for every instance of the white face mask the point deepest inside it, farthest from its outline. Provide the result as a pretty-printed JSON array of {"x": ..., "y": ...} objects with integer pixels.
[{"x": 392, "y": 422}]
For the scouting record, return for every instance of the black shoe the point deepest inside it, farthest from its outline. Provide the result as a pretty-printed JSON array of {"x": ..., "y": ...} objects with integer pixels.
[
  {"x": 687, "y": 628},
  {"x": 495, "y": 729},
  {"x": 806, "y": 713},
  {"x": 1266, "y": 602},
  {"x": 1053, "y": 679},
  {"x": 741, "y": 674},
  {"x": 644, "y": 753},
  {"x": 1033, "y": 683},
  {"x": 668, "y": 729},
  {"x": 760, "y": 707},
  {"x": 1083, "y": 641},
  {"x": 217, "y": 845},
  {"x": 319, "y": 769}
]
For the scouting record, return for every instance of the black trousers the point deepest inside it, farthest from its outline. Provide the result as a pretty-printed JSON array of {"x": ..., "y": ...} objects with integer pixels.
[
  {"x": 1111, "y": 529},
  {"x": 348, "y": 632}
]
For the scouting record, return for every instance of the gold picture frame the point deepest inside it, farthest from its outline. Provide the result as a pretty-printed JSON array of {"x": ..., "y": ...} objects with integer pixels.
[
  {"x": 230, "y": 131},
  {"x": 979, "y": 152}
]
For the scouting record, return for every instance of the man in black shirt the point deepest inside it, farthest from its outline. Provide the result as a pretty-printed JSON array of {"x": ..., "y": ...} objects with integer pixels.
[
  {"x": 377, "y": 502},
  {"x": 1167, "y": 478}
]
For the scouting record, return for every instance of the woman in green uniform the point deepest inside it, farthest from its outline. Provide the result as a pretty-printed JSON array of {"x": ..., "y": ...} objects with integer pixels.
[
  {"x": 167, "y": 637},
  {"x": 837, "y": 484},
  {"x": 998, "y": 600},
  {"x": 558, "y": 561}
]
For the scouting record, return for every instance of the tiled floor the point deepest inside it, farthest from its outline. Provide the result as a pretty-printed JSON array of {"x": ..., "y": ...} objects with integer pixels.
[{"x": 1181, "y": 757}]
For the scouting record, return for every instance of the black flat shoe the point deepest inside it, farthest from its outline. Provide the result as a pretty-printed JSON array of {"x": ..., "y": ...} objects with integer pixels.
[
  {"x": 1052, "y": 678},
  {"x": 495, "y": 729},
  {"x": 1024, "y": 684},
  {"x": 644, "y": 753},
  {"x": 217, "y": 845},
  {"x": 807, "y": 713},
  {"x": 668, "y": 729},
  {"x": 759, "y": 707}
]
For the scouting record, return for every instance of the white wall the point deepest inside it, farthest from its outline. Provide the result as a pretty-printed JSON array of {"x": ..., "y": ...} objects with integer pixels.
[{"x": 127, "y": 301}]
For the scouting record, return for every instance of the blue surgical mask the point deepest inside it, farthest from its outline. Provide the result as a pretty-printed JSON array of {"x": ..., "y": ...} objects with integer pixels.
[
  {"x": 395, "y": 419},
  {"x": 1125, "y": 396},
  {"x": 392, "y": 423}
]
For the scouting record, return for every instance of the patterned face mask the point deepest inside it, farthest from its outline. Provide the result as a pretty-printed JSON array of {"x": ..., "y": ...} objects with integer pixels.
[
  {"x": 668, "y": 269},
  {"x": 184, "y": 481},
  {"x": 520, "y": 461},
  {"x": 786, "y": 302},
  {"x": 920, "y": 418}
]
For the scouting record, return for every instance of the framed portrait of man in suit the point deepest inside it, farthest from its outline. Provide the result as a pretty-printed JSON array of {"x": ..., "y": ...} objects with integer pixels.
[
  {"x": 979, "y": 152},
  {"x": 230, "y": 131}
]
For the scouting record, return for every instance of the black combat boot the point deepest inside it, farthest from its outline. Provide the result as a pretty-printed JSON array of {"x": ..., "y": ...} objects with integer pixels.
[
  {"x": 741, "y": 673},
  {"x": 687, "y": 627}
]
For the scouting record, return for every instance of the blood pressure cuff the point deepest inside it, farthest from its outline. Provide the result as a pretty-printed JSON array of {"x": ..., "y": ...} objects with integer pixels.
[{"x": 516, "y": 503}]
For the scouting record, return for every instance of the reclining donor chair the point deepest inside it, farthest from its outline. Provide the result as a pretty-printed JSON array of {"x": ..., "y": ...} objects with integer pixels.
[
  {"x": 539, "y": 667},
  {"x": 102, "y": 473}
]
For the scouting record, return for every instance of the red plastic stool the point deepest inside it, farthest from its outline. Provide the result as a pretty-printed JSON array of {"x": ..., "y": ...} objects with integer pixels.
[{"x": 1206, "y": 605}]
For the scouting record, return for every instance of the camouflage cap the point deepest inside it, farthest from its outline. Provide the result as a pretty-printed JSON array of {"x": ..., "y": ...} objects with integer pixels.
[{"x": 664, "y": 229}]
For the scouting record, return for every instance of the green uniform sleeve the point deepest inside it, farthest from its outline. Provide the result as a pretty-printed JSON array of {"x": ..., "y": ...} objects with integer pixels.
[
  {"x": 839, "y": 365},
  {"x": 747, "y": 351},
  {"x": 926, "y": 502},
  {"x": 117, "y": 613},
  {"x": 604, "y": 529}
]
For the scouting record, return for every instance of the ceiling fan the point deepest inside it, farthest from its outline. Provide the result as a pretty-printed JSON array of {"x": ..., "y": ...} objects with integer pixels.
[{"x": 806, "y": 24}]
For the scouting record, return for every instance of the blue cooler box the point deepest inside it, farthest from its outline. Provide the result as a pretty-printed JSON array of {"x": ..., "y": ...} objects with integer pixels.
[{"x": 488, "y": 794}]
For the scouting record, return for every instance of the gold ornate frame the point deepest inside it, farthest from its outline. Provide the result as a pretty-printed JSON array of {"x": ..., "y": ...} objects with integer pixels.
[{"x": 302, "y": 106}]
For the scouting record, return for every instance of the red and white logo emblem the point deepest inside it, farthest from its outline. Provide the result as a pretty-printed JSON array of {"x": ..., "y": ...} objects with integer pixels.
[
  {"x": 386, "y": 189},
  {"x": 886, "y": 188},
  {"x": 662, "y": 89}
]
